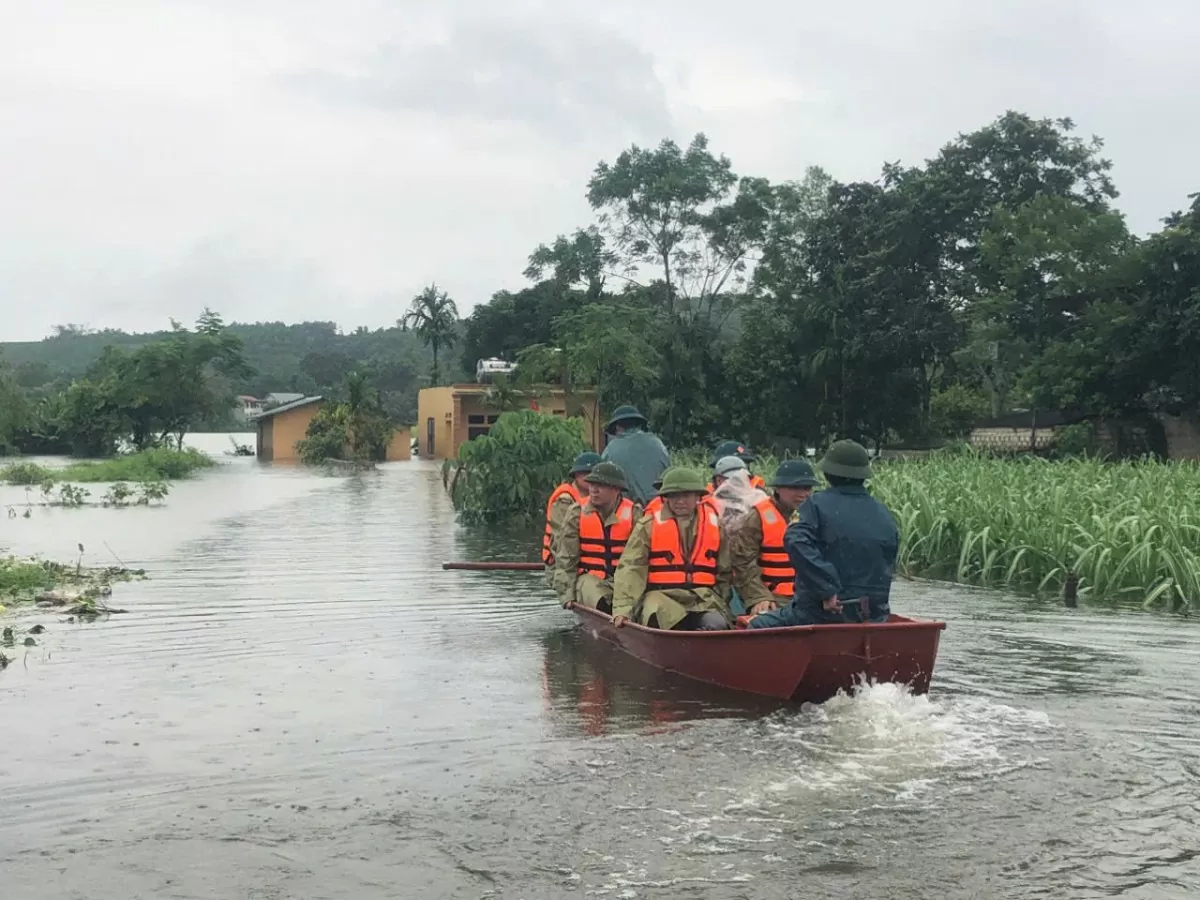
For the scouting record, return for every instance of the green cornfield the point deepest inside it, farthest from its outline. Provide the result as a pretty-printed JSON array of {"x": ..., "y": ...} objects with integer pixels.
[{"x": 1130, "y": 532}]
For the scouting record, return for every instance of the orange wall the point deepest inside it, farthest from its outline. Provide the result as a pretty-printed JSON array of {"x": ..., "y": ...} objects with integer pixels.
[
  {"x": 399, "y": 448},
  {"x": 451, "y": 406},
  {"x": 279, "y": 434}
]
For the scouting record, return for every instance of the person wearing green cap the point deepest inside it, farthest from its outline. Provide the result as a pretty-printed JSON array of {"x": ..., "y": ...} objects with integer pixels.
[
  {"x": 640, "y": 454},
  {"x": 592, "y": 539},
  {"x": 762, "y": 573},
  {"x": 842, "y": 544},
  {"x": 566, "y": 495},
  {"x": 675, "y": 572}
]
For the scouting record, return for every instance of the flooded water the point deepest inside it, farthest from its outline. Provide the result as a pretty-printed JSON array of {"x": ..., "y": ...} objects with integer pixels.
[{"x": 301, "y": 704}]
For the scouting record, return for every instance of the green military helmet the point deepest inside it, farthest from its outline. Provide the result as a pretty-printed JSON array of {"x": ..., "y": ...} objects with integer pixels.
[
  {"x": 846, "y": 459},
  {"x": 794, "y": 473},
  {"x": 585, "y": 462},
  {"x": 727, "y": 465},
  {"x": 731, "y": 448},
  {"x": 608, "y": 474},
  {"x": 625, "y": 414},
  {"x": 678, "y": 480}
]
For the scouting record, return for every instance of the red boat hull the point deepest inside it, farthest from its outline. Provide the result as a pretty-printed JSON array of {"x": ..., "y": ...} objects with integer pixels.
[{"x": 802, "y": 664}]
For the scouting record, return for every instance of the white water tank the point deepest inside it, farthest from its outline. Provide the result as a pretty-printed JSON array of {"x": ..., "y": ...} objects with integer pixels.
[{"x": 487, "y": 369}]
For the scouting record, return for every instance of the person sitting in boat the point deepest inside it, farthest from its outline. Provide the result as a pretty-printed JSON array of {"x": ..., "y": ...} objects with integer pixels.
[
  {"x": 762, "y": 573},
  {"x": 675, "y": 571},
  {"x": 592, "y": 540},
  {"x": 732, "y": 494},
  {"x": 734, "y": 448},
  {"x": 640, "y": 454},
  {"x": 842, "y": 544},
  {"x": 566, "y": 495}
]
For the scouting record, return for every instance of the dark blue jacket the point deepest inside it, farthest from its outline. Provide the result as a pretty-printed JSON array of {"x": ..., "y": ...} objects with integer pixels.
[{"x": 843, "y": 542}]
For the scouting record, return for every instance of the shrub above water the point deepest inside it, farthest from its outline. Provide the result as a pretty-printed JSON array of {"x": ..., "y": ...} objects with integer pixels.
[
  {"x": 159, "y": 464},
  {"x": 508, "y": 474}
]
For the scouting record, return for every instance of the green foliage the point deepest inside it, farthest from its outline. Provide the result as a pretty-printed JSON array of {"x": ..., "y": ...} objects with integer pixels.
[
  {"x": 434, "y": 318},
  {"x": 21, "y": 577},
  {"x": 508, "y": 474},
  {"x": 159, "y": 464},
  {"x": 356, "y": 428},
  {"x": 1126, "y": 530},
  {"x": 955, "y": 409}
]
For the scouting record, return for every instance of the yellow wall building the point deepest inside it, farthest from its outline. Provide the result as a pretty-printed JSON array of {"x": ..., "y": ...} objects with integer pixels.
[
  {"x": 450, "y": 415},
  {"x": 279, "y": 429}
]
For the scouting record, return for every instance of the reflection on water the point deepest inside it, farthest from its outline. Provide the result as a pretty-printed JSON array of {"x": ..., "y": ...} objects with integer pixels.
[{"x": 300, "y": 703}]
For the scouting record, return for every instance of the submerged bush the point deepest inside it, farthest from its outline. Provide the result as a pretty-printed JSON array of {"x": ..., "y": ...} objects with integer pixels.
[
  {"x": 508, "y": 474},
  {"x": 159, "y": 464}
]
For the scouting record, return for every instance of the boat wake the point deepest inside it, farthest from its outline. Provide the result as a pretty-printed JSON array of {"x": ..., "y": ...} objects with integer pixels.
[{"x": 889, "y": 743}]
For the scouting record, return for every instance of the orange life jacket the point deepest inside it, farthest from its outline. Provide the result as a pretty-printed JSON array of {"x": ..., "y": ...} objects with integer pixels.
[
  {"x": 567, "y": 487},
  {"x": 778, "y": 576},
  {"x": 667, "y": 566},
  {"x": 757, "y": 481},
  {"x": 600, "y": 545},
  {"x": 654, "y": 506}
]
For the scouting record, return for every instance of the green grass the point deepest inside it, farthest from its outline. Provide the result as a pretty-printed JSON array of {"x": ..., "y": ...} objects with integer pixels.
[
  {"x": 160, "y": 464},
  {"x": 1129, "y": 531},
  {"x": 20, "y": 577}
]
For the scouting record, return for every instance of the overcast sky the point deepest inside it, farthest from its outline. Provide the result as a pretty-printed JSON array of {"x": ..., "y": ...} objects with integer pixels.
[{"x": 311, "y": 159}]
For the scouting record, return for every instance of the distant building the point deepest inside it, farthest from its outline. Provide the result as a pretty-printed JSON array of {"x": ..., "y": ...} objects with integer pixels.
[
  {"x": 282, "y": 427},
  {"x": 248, "y": 407},
  {"x": 449, "y": 416}
]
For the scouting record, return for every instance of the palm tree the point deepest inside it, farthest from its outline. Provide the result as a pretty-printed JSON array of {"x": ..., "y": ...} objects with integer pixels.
[{"x": 434, "y": 317}]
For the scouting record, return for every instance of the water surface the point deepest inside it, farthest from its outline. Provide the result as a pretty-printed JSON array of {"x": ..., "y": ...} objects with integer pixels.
[{"x": 300, "y": 703}]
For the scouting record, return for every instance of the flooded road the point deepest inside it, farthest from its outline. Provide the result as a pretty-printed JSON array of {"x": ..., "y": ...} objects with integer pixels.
[{"x": 301, "y": 704}]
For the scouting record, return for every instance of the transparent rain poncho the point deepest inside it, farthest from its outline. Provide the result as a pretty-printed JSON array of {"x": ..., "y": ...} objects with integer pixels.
[{"x": 736, "y": 497}]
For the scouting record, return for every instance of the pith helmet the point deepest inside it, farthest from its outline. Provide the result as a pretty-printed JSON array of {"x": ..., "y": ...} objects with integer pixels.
[
  {"x": 625, "y": 414},
  {"x": 606, "y": 473},
  {"x": 847, "y": 459},
  {"x": 727, "y": 465},
  {"x": 794, "y": 473},
  {"x": 731, "y": 448},
  {"x": 585, "y": 462},
  {"x": 678, "y": 480}
]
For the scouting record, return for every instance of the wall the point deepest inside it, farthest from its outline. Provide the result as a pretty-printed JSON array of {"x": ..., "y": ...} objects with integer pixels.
[
  {"x": 1009, "y": 439},
  {"x": 285, "y": 430},
  {"x": 399, "y": 448},
  {"x": 1183, "y": 436},
  {"x": 459, "y": 413},
  {"x": 436, "y": 403}
]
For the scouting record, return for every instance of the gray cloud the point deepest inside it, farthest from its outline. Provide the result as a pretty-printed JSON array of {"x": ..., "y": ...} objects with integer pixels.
[
  {"x": 563, "y": 77},
  {"x": 300, "y": 159}
]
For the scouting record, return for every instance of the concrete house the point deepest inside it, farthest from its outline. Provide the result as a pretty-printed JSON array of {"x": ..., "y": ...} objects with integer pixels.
[
  {"x": 451, "y": 415},
  {"x": 281, "y": 428}
]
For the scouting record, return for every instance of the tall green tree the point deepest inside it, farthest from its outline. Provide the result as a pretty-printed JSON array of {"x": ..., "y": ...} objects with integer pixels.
[{"x": 434, "y": 317}]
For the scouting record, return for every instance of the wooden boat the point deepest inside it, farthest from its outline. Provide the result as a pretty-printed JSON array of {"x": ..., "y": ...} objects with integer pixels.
[{"x": 802, "y": 663}]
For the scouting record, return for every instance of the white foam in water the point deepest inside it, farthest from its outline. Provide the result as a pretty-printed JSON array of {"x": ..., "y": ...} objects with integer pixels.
[{"x": 898, "y": 743}]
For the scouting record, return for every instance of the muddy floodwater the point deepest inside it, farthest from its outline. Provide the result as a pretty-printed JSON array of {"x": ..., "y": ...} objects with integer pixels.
[{"x": 300, "y": 704}]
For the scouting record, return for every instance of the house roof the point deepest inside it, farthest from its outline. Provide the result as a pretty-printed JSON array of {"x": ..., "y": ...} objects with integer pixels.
[
  {"x": 288, "y": 407},
  {"x": 284, "y": 398}
]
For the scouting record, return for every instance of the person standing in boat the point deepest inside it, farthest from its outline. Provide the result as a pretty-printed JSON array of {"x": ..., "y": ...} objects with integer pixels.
[
  {"x": 592, "y": 539},
  {"x": 842, "y": 544},
  {"x": 566, "y": 495},
  {"x": 675, "y": 572},
  {"x": 640, "y": 454},
  {"x": 762, "y": 572}
]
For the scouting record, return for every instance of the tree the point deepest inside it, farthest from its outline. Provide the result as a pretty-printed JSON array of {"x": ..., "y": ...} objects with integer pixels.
[
  {"x": 685, "y": 214},
  {"x": 434, "y": 317},
  {"x": 354, "y": 428}
]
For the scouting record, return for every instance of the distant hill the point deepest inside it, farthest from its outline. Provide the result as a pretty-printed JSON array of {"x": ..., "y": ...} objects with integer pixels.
[{"x": 307, "y": 358}]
